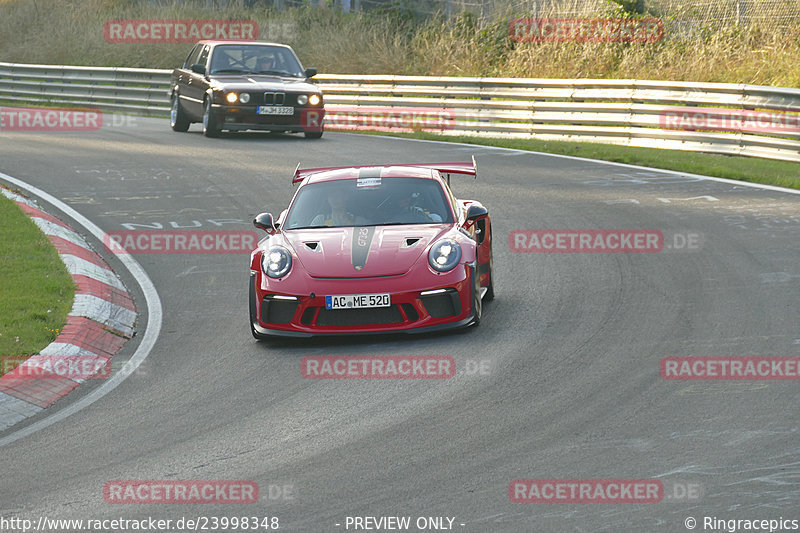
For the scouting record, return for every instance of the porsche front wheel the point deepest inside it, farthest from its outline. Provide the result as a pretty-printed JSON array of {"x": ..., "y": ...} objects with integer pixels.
[
  {"x": 489, "y": 296},
  {"x": 477, "y": 303},
  {"x": 253, "y": 311}
]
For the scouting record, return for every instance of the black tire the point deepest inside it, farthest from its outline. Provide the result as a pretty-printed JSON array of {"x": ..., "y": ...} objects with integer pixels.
[
  {"x": 313, "y": 134},
  {"x": 253, "y": 318},
  {"x": 210, "y": 127},
  {"x": 178, "y": 120},
  {"x": 489, "y": 296},
  {"x": 477, "y": 303}
]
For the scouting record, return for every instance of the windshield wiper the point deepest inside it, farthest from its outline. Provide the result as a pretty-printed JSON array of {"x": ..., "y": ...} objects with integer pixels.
[
  {"x": 312, "y": 227},
  {"x": 229, "y": 71},
  {"x": 275, "y": 72}
]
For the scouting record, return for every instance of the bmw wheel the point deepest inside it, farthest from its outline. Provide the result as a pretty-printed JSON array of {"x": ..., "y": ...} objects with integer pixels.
[
  {"x": 210, "y": 127},
  {"x": 178, "y": 120}
]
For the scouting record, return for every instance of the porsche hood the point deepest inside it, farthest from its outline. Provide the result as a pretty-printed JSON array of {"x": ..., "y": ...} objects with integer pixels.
[{"x": 363, "y": 251}]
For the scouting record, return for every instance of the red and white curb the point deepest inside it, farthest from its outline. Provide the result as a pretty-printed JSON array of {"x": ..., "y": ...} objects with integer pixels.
[{"x": 102, "y": 318}]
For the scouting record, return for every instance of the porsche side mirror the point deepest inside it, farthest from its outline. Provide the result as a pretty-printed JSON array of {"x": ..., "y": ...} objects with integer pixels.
[
  {"x": 197, "y": 68},
  {"x": 475, "y": 212},
  {"x": 311, "y": 72},
  {"x": 265, "y": 222}
]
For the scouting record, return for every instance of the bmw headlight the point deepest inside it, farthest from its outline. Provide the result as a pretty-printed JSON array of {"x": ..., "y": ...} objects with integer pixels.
[
  {"x": 232, "y": 98},
  {"x": 302, "y": 99},
  {"x": 444, "y": 255},
  {"x": 314, "y": 99},
  {"x": 276, "y": 262},
  {"x": 244, "y": 98}
]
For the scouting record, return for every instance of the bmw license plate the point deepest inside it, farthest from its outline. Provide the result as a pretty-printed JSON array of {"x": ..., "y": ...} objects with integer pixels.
[
  {"x": 274, "y": 110},
  {"x": 357, "y": 301}
]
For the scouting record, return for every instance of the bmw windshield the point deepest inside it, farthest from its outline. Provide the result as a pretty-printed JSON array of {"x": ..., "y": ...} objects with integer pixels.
[
  {"x": 369, "y": 202},
  {"x": 255, "y": 59}
]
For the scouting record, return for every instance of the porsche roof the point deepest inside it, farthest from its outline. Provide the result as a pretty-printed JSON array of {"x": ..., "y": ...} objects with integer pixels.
[
  {"x": 370, "y": 172},
  {"x": 414, "y": 170}
]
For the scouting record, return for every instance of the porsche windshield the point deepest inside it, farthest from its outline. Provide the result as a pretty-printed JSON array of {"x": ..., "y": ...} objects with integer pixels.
[{"x": 369, "y": 202}]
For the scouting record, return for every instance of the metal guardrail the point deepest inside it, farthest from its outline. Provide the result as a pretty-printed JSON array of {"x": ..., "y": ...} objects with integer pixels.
[
  {"x": 105, "y": 88},
  {"x": 627, "y": 112}
]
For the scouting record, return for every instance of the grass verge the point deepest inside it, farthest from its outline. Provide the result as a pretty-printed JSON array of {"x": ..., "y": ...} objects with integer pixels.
[
  {"x": 755, "y": 170},
  {"x": 36, "y": 291}
]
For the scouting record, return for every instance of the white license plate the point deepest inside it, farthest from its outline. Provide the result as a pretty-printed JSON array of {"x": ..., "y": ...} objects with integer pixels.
[
  {"x": 274, "y": 110},
  {"x": 357, "y": 301}
]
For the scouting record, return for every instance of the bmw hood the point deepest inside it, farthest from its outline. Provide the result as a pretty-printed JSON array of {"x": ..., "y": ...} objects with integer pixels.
[
  {"x": 261, "y": 82},
  {"x": 360, "y": 252}
]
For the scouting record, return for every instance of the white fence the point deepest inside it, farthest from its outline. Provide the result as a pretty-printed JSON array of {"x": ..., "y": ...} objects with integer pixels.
[{"x": 730, "y": 119}]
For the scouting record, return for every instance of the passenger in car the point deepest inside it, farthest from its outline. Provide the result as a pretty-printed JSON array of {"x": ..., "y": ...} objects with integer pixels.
[{"x": 339, "y": 215}]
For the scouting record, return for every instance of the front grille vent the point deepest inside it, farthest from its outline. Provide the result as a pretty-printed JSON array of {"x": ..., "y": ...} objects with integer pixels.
[
  {"x": 358, "y": 317},
  {"x": 274, "y": 98}
]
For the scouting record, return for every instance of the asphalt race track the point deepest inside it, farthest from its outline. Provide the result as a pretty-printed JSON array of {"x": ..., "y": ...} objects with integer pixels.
[{"x": 560, "y": 381}]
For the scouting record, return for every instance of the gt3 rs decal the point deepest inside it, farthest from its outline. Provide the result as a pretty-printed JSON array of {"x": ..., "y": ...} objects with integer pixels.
[{"x": 362, "y": 240}]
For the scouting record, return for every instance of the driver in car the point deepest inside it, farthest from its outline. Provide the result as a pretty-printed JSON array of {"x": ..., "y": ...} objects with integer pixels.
[
  {"x": 265, "y": 64},
  {"x": 407, "y": 210}
]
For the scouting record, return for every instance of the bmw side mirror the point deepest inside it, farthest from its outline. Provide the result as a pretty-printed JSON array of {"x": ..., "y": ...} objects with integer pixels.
[
  {"x": 265, "y": 222},
  {"x": 475, "y": 212},
  {"x": 311, "y": 72},
  {"x": 197, "y": 68}
]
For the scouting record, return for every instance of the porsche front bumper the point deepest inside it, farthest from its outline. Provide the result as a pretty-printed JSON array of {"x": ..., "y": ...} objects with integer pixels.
[{"x": 446, "y": 305}]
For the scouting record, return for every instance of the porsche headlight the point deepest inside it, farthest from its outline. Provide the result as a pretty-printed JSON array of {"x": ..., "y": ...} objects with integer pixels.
[
  {"x": 444, "y": 255},
  {"x": 302, "y": 99},
  {"x": 232, "y": 98},
  {"x": 276, "y": 262},
  {"x": 244, "y": 98},
  {"x": 314, "y": 99}
]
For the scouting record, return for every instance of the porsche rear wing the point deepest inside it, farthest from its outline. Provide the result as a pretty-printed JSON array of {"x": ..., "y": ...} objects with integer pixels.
[{"x": 470, "y": 169}]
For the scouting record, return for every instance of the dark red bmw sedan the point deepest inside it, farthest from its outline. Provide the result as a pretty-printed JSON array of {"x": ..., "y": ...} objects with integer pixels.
[{"x": 228, "y": 85}]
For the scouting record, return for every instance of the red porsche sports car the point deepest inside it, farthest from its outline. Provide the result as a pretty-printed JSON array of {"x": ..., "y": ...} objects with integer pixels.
[{"x": 371, "y": 249}]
